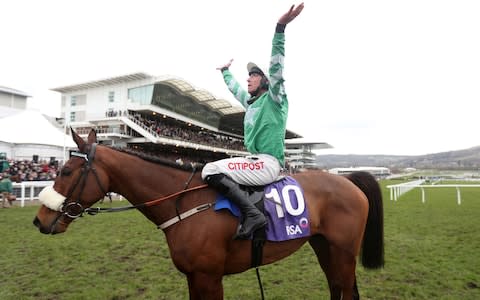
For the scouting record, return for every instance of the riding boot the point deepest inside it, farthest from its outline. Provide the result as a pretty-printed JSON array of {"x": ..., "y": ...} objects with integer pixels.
[{"x": 253, "y": 218}]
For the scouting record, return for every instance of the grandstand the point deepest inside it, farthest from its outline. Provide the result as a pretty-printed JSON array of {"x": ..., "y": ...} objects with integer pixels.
[
  {"x": 299, "y": 153},
  {"x": 165, "y": 115},
  {"x": 378, "y": 172}
]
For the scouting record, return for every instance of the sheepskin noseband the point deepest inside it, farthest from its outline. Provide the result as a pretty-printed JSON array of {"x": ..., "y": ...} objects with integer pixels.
[{"x": 51, "y": 198}]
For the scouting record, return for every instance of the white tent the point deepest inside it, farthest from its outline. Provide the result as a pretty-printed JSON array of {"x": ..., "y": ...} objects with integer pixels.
[
  {"x": 31, "y": 127},
  {"x": 27, "y": 134}
]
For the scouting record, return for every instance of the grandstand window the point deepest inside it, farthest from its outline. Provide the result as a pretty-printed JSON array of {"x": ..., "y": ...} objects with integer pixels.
[
  {"x": 72, "y": 116},
  {"x": 111, "y": 96},
  {"x": 141, "y": 95},
  {"x": 73, "y": 100}
]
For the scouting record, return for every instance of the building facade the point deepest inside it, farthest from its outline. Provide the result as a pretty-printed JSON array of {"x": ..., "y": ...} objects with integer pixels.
[{"x": 13, "y": 98}]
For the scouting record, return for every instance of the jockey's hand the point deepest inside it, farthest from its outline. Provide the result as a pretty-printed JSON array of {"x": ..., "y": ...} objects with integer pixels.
[
  {"x": 291, "y": 14},
  {"x": 227, "y": 65}
]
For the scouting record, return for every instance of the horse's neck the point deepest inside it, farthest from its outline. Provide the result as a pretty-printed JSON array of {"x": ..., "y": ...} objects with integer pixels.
[{"x": 140, "y": 181}]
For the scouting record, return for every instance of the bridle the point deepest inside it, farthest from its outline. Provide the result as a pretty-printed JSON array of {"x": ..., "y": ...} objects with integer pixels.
[{"x": 74, "y": 209}]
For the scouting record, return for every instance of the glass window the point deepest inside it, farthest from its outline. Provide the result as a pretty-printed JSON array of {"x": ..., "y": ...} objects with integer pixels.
[
  {"x": 141, "y": 95},
  {"x": 111, "y": 96},
  {"x": 72, "y": 116},
  {"x": 73, "y": 100}
]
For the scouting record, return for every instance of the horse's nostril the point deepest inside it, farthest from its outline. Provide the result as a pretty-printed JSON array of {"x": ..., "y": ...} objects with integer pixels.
[{"x": 36, "y": 222}]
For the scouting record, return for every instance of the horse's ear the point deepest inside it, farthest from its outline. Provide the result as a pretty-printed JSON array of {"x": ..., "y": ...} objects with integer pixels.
[
  {"x": 77, "y": 139},
  {"x": 92, "y": 136}
]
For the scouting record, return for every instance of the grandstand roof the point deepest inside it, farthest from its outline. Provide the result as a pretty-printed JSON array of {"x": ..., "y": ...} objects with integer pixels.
[
  {"x": 203, "y": 97},
  {"x": 294, "y": 143},
  {"x": 8, "y": 90},
  {"x": 102, "y": 82}
]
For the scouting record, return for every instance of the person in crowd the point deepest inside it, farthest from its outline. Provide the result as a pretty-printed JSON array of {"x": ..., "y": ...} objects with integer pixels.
[
  {"x": 6, "y": 188},
  {"x": 265, "y": 120}
]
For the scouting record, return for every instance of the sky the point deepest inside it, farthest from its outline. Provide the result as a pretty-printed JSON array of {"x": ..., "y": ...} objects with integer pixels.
[{"x": 367, "y": 77}]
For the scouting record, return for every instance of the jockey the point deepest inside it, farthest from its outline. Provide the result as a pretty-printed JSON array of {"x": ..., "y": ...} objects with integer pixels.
[{"x": 265, "y": 120}]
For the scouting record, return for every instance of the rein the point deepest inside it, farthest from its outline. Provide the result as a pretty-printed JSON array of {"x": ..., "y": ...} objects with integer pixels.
[{"x": 96, "y": 210}]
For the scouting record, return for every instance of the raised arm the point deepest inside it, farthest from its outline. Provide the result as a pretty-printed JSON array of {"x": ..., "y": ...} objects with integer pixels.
[
  {"x": 235, "y": 88},
  {"x": 277, "y": 89},
  {"x": 225, "y": 66},
  {"x": 291, "y": 14}
]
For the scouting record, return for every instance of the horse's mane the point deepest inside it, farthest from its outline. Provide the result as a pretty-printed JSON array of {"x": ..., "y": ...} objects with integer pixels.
[{"x": 160, "y": 160}]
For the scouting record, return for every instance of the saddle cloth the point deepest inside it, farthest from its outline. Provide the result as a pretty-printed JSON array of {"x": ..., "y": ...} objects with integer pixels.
[{"x": 285, "y": 210}]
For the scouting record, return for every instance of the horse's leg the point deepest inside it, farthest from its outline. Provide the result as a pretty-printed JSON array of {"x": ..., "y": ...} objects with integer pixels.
[
  {"x": 356, "y": 294},
  {"x": 202, "y": 286},
  {"x": 320, "y": 246},
  {"x": 338, "y": 266},
  {"x": 342, "y": 267}
]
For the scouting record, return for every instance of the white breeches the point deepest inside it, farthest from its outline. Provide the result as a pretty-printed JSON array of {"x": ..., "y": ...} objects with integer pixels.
[{"x": 259, "y": 169}]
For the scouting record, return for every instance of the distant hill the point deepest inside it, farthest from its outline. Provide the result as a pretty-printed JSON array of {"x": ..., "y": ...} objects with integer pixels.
[{"x": 467, "y": 159}]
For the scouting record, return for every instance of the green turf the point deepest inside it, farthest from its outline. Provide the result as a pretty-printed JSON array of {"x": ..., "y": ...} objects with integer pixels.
[{"x": 432, "y": 252}]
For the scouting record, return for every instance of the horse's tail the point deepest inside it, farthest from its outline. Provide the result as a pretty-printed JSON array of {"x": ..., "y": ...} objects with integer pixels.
[{"x": 372, "y": 254}]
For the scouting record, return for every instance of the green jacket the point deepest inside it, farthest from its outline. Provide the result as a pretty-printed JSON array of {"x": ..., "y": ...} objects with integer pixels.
[
  {"x": 6, "y": 185},
  {"x": 266, "y": 118}
]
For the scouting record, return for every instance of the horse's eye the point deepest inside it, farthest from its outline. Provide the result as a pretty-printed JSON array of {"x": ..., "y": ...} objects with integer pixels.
[{"x": 65, "y": 172}]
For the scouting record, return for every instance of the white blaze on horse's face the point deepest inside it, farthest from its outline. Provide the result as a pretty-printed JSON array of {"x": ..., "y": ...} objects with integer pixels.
[{"x": 51, "y": 198}]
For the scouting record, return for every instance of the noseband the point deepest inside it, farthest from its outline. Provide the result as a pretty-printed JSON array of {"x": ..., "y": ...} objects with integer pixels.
[{"x": 74, "y": 209}]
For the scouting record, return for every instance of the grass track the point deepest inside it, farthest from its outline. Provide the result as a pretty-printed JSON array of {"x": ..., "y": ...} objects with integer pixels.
[{"x": 432, "y": 252}]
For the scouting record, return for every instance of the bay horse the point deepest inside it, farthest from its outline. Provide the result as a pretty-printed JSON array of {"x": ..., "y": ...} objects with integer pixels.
[{"x": 345, "y": 216}]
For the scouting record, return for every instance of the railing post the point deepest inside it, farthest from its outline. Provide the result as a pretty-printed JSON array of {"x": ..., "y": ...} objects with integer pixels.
[
  {"x": 32, "y": 192},
  {"x": 22, "y": 194},
  {"x": 459, "y": 197}
]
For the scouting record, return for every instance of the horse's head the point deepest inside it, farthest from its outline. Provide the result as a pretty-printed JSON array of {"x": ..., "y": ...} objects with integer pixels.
[{"x": 80, "y": 183}]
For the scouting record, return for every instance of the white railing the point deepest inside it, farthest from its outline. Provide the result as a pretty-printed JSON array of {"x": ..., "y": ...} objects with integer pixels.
[
  {"x": 29, "y": 190},
  {"x": 398, "y": 189}
]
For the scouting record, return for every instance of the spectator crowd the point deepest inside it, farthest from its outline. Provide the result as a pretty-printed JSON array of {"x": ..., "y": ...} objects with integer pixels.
[
  {"x": 29, "y": 170},
  {"x": 190, "y": 134}
]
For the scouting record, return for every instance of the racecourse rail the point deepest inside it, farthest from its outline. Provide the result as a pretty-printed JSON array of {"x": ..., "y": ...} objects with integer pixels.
[
  {"x": 29, "y": 190},
  {"x": 397, "y": 190}
]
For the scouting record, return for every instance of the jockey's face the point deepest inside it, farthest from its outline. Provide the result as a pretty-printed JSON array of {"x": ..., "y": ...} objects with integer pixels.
[{"x": 254, "y": 81}]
